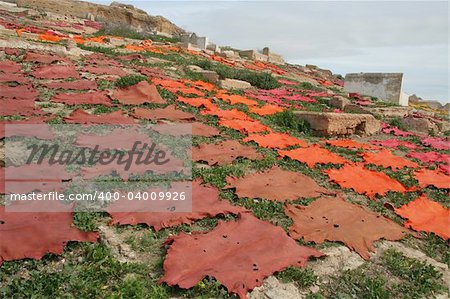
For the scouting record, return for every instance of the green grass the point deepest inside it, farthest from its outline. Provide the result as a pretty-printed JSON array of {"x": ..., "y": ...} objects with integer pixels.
[
  {"x": 396, "y": 122},
  {"x": 258, "y": 79},
  {"x": 302, "y": 277},
  {"x": 129, "y": 80},
  {"x": 420, "y": 279},
  {"x": 287, "y": 121},
  {"x": 359, "y": 283},
  {"x": 104, "y": 50},
  {"x": 308, "y": 86},
  {"x": 84, "y": 271},
  {"x": 100, "y": 109}
]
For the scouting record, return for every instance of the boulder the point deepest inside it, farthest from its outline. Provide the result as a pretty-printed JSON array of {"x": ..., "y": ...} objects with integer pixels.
[
  {"x": 234, "y": 84},
  {"x": 390, "y": 111},
  {"x": 420, "y": 124},
  {"x": 339, "y": 124},
  {"x": 339, "y": 102},
  {"x": 432, "y": 104}
]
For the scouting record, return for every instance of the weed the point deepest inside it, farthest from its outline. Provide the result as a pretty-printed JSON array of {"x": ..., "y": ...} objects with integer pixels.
[
  {"x": 85, "y": 271},
  {"x": 98, "y": 49},
  {"x": 287, "y": 121},
  {"x": 396, "y": 122},
  {"x": 100, "y": 109},
  {"x": 303, "y": 277},
  {"x": 421, "y": 279},
  {"x": 129, "y": 80},
  {"x": 258, "y": 79},
  {"x": 307, "y": 86},
  {"x": 359, "y": 283},
  {"x": 86, "y": 221}
]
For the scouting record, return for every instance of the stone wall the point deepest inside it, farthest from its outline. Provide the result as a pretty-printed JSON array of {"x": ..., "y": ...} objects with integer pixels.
[
  {"x": 384, "y": 86},
  {"x": 269, "y": 57}
]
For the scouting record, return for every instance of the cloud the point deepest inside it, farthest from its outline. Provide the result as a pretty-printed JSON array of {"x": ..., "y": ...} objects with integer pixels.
[{"x": 408, "y": 36}]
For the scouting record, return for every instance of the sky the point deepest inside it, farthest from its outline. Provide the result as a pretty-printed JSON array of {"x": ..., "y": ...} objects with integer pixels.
[{"x": 411, "y": 37}]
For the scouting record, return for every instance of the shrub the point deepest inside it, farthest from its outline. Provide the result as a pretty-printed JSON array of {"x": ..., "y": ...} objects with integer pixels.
[
  {"x": 258, "y": 79},
  {"x": 287, "y": 120},
  {"x": 396, "y": 122}
]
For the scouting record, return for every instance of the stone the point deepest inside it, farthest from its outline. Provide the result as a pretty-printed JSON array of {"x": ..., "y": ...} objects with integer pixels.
[
  {"x": 433, "y": 104},
  {"x": 273, "y": 288},
  {"x": 229, "y": 54},
  {"x": 234, "y": 84},
  {"x": 389, "y": 111},
  {"x": 384, "y": 86},
  {"x": 194, "y": 68},
  {"x": 210, "y": 76},
  {"x": 339, "y": 124},
  {"x": 337, "y": 259},
  {"x": 119, "y": 14},
  {"x": 354, "y": 108},
  {"x": 90, "y": 16},
  {"x": 339, "y": 102},
  {"x": 200, "y": 42},
  {"x": 253, "y": 55},
  {"x": 420, "y": 124}
]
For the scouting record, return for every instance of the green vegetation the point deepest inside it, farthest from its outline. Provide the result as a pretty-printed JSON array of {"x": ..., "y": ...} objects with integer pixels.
[
  {"x": 129, "y": 80},
  {"x": 287, "y": 121},
  {"x": 96, "y": 274},
  {"x": 308, "y": 86},
  {"x": 396, "y": 122},
  {"x": 420, "y": 279},
  {"x": 302, "y": 277},
  {"x": 98, "y": 49},
  {"x": 129, "y": 32},
  {"x": 258, "y": 79},
  {"x": 358, "y": 284}
]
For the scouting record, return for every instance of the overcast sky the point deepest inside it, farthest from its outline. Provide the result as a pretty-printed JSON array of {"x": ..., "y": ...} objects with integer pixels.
[{"x": 343, "y": 36}]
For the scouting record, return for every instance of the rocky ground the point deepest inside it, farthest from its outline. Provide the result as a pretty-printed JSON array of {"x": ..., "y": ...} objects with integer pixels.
[{"x": 388, "y": 236}]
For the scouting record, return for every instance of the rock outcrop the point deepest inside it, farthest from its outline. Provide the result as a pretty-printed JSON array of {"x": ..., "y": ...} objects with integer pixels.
[
  {"x": 116, "y": 13},
  {"x": 339, "y": 124}
]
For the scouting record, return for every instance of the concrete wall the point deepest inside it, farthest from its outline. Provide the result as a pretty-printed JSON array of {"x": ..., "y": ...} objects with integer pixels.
[{"x": 384, "y": 86}]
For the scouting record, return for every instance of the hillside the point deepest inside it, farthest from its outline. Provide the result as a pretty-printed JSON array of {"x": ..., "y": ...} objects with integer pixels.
[{"x": 296, "y": 189}]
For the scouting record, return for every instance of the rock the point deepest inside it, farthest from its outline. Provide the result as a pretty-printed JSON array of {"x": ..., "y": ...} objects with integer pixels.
[
  {"x": 443, "y": 125},
  {"x": 420, "y": 124},
  {"x": 70, "y": 44},
  {"x": 432, "y": 104},
  {"x": 194, "y": 68},
  {"x": 415, "y": 254},
  {"x": 337, "y": 124},
  {"x": 339, "y": 102},
  {"x": 210, "y": 76},
  {"x": 389, "y": 111},
  {"x": 90, "y": 17},
  {"x": 353, "y": 108},
  {"x": 229, "y": 54},
  {"x": 337, "y": 259},
  {"x": 116, "y": 13},
  {"x": 14, "y": 153},
  {"x": 414, "y": 99},
  {"x": 274, "y": 289},
  {"x": 234, "y": 84}
]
